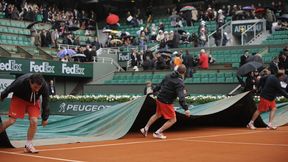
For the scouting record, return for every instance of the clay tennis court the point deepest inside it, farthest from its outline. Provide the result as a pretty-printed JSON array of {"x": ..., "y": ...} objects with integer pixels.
[{"x": 195, "y": 144}]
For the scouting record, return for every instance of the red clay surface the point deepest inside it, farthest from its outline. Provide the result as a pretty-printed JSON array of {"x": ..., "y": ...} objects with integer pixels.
[{"x": 196, "y": 144}]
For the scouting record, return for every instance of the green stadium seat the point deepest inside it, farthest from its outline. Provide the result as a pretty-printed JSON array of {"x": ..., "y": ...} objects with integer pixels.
[
  {"x": 229, "y": 80},
  {"x": 220, "y": 80},
  {"x": 212, "y": 80},
  {"x": 196, "y": 80},
  {"x": 204, "y": 80}
]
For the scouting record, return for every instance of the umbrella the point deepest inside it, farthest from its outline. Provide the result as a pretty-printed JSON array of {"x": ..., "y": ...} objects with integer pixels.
[
  {"x": 283, "y": 17},
  {"x": 187, "y": 8},
  {"x": 65, "y": 52},
  {"x": 260, "y": 10},
  {"x": 78, "y": 55},
  {"x": 107, "y": 31},
  {"x": 239, "y": 12},
  {"x": 73, "y": 28},
  {"x": 165, "y": 51},
  {"x": 116, "y": 41},
  {"x": 180, "y": 31},
  {"x": 112, "y": 19},
  {"x": 33, "y": 23},
  {"x": 115, "y": 32},
  {"x": 248, "y": 8},
  {"x": 174, "y": 17},
  {"x": 248, "y": 67}
]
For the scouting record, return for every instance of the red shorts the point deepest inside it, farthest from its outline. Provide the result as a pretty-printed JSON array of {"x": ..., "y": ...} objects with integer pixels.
[
  {"x": 166, "y": 110},
  {"x": 18, "y": 108},
  {"x": 265, "y": 105}
]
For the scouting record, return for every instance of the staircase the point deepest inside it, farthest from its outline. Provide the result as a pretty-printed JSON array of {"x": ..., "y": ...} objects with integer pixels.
[{"x": 258, "y": 39}]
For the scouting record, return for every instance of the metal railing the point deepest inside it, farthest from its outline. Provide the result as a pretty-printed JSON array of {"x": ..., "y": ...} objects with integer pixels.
[
  {"x": 109, "y": 61},
  {"x": 222, "y": 32},
  {"x": 245, "y": 35},
  {"x": 66, "y": 46},
  {"x": 111, "y": 51},
  {"x": 154, "y": 48}
]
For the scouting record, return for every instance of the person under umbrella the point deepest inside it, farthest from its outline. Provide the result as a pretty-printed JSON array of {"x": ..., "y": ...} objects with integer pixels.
[{"x": 65, "y": 52}]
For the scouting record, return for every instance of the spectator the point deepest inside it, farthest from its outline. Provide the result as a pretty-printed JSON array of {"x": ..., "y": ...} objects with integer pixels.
[
  {"x": 225, "y": 39},
  {"x": 176, "y": 39},
  {"x": 217, "y": 37},
  {"x": 93, "y": 54},
  {"x": 251, "y": 82},
  {"x": 135, "y": 59},
  {"x": 270, "y": 17},
  {"x": 160, "y": 36},
  {"x": 203, "y": 60},
  {"x": 66, "y": 58},
  {"x": 160, "y": 62},
  {"x": 54, "y": 37},
  {"x": 52, "y": 89},
  {"x": 177, "y": 60},
  {"x": 88, "y": 54},
  {"x": 153, "y": 32},
  {"x": 220, "y": 18},
  {"x": 195, "y": 40},
  {"x": 187, "y": 15},
  {"x": 283, "y": 62},
  {"x": 96, "y": 43},
  {"x": 149, "y": 88},
  {"x": 203, "y": 34},
  {"x": 188, "y": 62},
  {"x": 15, "y": 14},
  {"x": 161, "y": 26},
  {"x": 243, "y": 58},
  {"x": 273, "y": 66}
]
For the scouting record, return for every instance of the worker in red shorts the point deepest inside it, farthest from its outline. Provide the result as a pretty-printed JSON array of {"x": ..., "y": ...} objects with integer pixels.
[
  {"x": 26, "y": 92},
  {"x": 271, "y": 88},
  {"x": 171, "y": 87}
]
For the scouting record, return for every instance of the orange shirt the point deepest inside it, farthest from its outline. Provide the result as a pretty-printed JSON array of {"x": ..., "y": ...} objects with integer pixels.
[{"x": 177, "y": 61}]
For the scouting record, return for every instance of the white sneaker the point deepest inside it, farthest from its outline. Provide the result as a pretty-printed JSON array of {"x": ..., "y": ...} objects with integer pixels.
[
  {"x": 270, "y": 127},
  {"x": 159, "y": 135},
  {"x": 144, "y": 132},
  {"x": 30, "y": 149},
  {"x": 251, "y": 126}
]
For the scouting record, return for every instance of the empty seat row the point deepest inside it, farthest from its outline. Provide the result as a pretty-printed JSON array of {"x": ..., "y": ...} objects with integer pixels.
[
  {"x": 15, "y": 42},
  {"x": 14, "y": 30}
]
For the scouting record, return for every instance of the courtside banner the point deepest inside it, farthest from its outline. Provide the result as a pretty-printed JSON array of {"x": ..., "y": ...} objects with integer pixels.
[
  {"x": 53, "y": 68},
  {"x": 78, "y": 108}
]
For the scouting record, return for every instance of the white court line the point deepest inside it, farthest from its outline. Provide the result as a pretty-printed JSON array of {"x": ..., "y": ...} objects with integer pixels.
[
  {"x": 239, "y": 143},
  {"x": 151, "y": 141},
  {"x": 40, "y": 157}
]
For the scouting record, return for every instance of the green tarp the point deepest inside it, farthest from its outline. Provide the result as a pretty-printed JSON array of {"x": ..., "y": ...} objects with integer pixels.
[{"x": 114, "y": 122}]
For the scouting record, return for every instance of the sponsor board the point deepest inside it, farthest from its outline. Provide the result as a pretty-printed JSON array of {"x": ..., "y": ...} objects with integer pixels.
[{"x": 54, "y": 68}]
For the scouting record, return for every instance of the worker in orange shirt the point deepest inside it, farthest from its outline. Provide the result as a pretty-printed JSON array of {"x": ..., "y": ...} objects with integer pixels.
[{"x": 177, "y": 60}]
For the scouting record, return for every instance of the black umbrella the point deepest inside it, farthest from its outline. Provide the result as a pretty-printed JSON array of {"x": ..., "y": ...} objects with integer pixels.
[
  {"x": 33, "y": 23},
  {"x": 284, "y": 17},
  {"x": 249, "y": 67},
  {"x": 73, "y": 28},
  {"x": 180, "y": 31}
]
